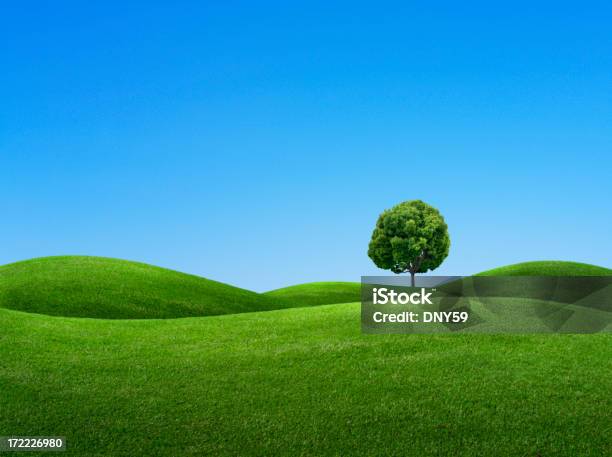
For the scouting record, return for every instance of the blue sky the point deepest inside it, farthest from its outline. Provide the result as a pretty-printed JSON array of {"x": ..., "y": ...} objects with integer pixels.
[{"x": 256, "y": 142}]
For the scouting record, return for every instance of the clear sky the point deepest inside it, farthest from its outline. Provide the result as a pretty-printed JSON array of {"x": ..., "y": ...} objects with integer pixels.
[{"x": 256, "y": 143}]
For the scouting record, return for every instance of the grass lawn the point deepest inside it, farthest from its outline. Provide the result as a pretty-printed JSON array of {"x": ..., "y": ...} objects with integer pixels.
[
  {"x": 106, "y": 288},
  {"x": 301, "y": 381},
  {"x": 318, "y": 293},
  {"x": 548, "y": 268}
]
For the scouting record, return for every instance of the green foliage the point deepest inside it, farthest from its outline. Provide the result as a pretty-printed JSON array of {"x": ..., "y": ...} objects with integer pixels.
[{"x": 410, "y": 237}]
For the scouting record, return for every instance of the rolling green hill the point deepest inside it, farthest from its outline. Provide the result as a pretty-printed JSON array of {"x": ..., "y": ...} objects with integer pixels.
[
  {"x": 548, "y": 268},
  {"x": 98, "y": 287},
  {"x": 318, "y": 293},
  {"x": 326, "y": 293},
  {"x": 118, "y": 289},
  {"x": 301, "y": 381}
]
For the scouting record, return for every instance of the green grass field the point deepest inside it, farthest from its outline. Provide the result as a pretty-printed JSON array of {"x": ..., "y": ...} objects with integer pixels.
[
  {"x": 548, "y": 268},
  {"x": 301, "y": 381},
  {"x": 106, "y": 288},
  {"x": 318, "y": 293}
]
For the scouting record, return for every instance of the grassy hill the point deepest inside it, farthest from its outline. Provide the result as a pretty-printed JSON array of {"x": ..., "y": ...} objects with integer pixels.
[
  {"x": 98, "y": 287},
  {"x": 326, "y": 293},
  {"x": 118, "y": 289},
  {"x": 548, "y": 268},
  {"x": 318, "y": 293},
  {"x": 301, "y": 381}
]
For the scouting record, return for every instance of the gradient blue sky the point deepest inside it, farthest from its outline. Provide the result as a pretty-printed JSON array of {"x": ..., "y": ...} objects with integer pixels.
[{"x": 256, "y": 142}]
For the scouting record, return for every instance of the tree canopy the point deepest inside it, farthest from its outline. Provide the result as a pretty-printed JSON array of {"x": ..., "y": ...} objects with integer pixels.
[{"x": 410, "y": 237}]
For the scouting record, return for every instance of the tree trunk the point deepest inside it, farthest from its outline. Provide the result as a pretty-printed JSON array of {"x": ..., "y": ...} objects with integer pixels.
[{"x": 415, "y": 266}]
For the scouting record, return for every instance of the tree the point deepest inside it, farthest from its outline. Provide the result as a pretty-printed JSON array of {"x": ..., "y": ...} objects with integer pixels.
[{"x": 410, "y": 237}]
